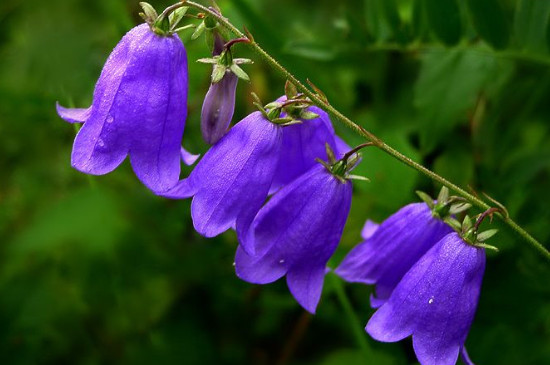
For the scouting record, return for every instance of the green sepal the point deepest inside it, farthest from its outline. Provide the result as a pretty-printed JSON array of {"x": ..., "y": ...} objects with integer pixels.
[
  {"x": 330, "y": 154},
  {"x": 426, "y": 198},
  {"x": 489, "y": 247},
  {"x": 358, "y": 177},
  {"x": 443, "y": 195},
  {"x": 218, "y": 73},
  {"x": 455, "y": 224},
  {"x": 198, "y": 31},
  {"x": 242, "y": 61},
  {"x": 466, "y": 224},
  {"x": 212, "y": 60},
  {"x": 176, "y": 16},
  {"x": 290, "y": 122},
  {"x": 307, "y": 115},
  {"x": 149, "y": 13},
  {"x": 239, "y": 72},
  {"x": 459, "y": 208},
  {"x": 185, "y": 27},
  {"x": 485, "y": 235}
]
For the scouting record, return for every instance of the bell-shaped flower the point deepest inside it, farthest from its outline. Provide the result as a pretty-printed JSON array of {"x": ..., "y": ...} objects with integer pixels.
[
  {"x": 435, "y": 302},
  {"x": 296, "y": 233},
  {"x": 231, "y": 182},
  {"x": 391, "y": 250},
  {"x": 139, "y": 109},
  {"x": 305, "y": 142}
]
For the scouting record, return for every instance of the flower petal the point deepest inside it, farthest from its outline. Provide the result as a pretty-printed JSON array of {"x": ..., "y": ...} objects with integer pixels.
[
  {"x": 299, "y": 229},
  {"x": 156, "y": 146},
  {"x": 233, "y": 177},
  {"x": 263, "y": 270},
  {"x": 368, "y": 229},
  {"x": 306, "y": 285},
  {"x": 435, "y": 302},
  {"x": 73, "y": 115},
  {"x": 394, "y": 247},
  {"x": 187, "y": 157}
]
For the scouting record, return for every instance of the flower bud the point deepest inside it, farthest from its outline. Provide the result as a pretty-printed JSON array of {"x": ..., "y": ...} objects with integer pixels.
[{"x": 218, "y": 108}]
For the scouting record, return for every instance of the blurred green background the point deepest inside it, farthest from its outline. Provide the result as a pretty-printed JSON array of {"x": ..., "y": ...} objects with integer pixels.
[{"x": 97, "y": 270}]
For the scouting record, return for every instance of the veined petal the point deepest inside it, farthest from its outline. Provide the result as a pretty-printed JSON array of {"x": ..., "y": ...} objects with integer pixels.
[
  {"x": 368, "y": 229},
  {"x": 98, "y": 147},
  {"x": 187, "y": 157},
  {"x": 435, "y": 302},
  {"x": 73, "y": 115},
  {"x": 233, "y": 177},
  {"x": 155, "y": 152},
  {"x": 296, "y": 233},
  {"x": 394, "y": 247}
]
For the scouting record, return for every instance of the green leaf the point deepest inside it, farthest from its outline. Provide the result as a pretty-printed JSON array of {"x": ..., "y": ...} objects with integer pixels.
[
  {"x": 489, "y": 20},
  {"x": 448, "y": 87},
  {"x": 443, "y": 17},
  {"x": 530, "y": 24}
]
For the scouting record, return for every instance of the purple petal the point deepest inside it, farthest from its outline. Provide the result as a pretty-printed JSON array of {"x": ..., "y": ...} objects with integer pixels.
[
  {"x": 306, "y": 284},
  {"x": 187, "y": 157},
  {"x": 302, "y": 144},
  {"x": 182, "y": 190},
  {"x": 368, "y": 229},
  {"x": 394, "y": 247},
  {"x": 296, "y": 233},
  {"x": 73, "y": 115},
  {"x": 139, "y": 108},
  {"x": 435, "y": 302},
  {"x": 233, "y": 178},
  {"x": 218, "y": 108}
]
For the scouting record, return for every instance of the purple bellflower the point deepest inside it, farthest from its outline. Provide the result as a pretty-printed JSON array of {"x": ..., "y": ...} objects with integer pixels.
[
  {"x": 139, "y": 109},
  {"x": 296, "y": 233},
  {"x": 435, "y": 302},
  {"x": 392, "y": 248},
  {"x": 231, "y": 182}
]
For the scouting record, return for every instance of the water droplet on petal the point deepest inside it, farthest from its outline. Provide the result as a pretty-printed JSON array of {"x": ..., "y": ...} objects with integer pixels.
[
  {"x": 281, "y": 261},
  {"x": 110, "y": 119},
  {"x": 100, "y": 143},
  {"x": 431, "y": 301},
  {"x": 234, "y": 264}
]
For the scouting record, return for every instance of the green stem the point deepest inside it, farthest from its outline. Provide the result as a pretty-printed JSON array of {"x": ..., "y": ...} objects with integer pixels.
[
  {"x": 358, "y": 332},
  {"x": 363, "y": 132}
]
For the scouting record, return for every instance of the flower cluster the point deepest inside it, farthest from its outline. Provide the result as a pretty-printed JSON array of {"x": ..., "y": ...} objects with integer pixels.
[
  {"x": 427, "y": 276},
  {"x": 280, "y": 178}
]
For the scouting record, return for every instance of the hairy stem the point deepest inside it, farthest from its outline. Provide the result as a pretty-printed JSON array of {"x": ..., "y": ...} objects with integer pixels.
[{"x": 317, "y": 100}]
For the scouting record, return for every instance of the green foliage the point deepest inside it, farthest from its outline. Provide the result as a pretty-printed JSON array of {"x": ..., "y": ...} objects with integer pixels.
[{"x": 97, "y": 270}]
